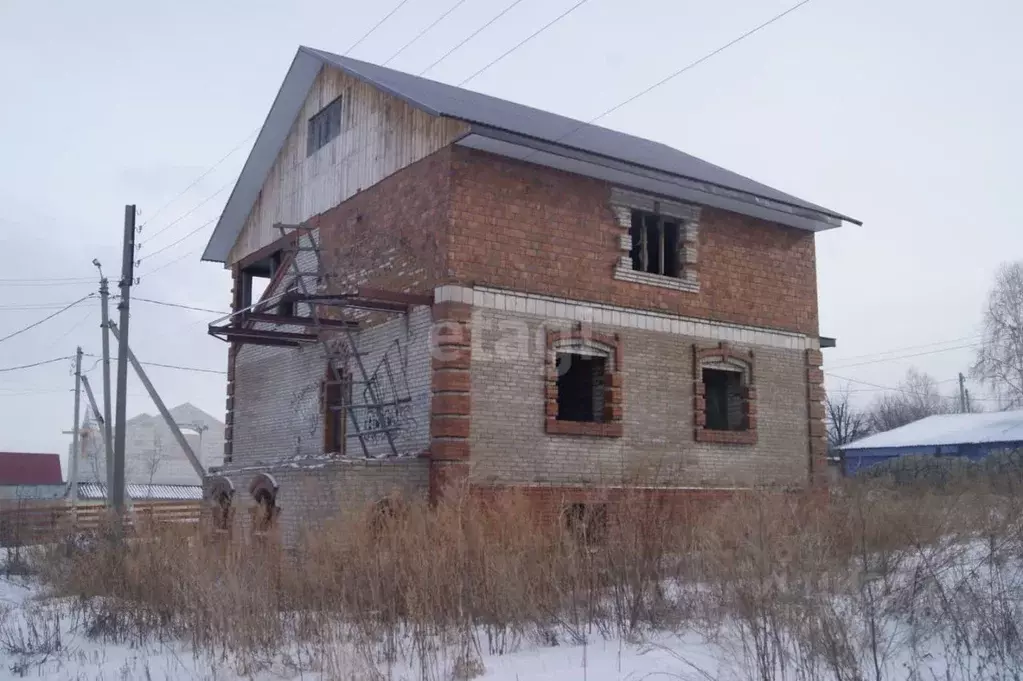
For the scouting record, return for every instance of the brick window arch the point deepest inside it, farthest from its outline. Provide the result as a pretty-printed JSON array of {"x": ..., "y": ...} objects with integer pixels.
[
  {"x": 263, "y": 489},
  {"x": 724, "y": 403},
  {"x": 583, "y": 383},
  {"x": 220, "y": 496}
]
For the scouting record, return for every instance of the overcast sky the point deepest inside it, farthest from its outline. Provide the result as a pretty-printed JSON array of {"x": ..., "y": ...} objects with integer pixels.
[{"x": 904, "y": 114}]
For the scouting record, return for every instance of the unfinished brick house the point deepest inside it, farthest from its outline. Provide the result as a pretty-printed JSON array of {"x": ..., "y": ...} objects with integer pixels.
[{"x": 466, "y": 291}]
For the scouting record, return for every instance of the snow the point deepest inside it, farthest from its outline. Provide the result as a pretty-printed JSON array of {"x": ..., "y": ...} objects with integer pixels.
[
  {"x": 949, "y": 429},
  {"x": 81, "y": 659},
  {"x": 716, "y": 652}
]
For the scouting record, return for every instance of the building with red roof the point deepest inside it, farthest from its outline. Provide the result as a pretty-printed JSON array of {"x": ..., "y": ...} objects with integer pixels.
[{"x": 25, "y": 475}]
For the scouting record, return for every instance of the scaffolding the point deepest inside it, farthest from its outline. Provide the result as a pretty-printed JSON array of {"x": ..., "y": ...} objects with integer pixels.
[{"x": 332, "y": 320}]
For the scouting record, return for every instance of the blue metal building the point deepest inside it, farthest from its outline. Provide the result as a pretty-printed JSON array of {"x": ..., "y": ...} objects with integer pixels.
[{"x": 972, "y": 436}]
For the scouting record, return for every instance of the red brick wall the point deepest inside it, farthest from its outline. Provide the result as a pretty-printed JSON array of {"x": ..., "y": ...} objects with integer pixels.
[
  {"x": 392, "y": 235},
  {"x": 530, "y": 228}
]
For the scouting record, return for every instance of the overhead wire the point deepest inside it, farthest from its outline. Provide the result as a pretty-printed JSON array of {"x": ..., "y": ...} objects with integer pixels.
[
  {"x": 46, "y": 279},
  {"x": 901, "y": 357},
  {"x": 376, "y": 26},
  {"x": 46, "y": 319},
  {"x": 175, "y": 243},
  {"x": 157, "y": 364},
  {"x": 470, "y": 37},
  {"x": 201, "y": 177},
  {"x": 423, "y": 32},
  {"x": 42, "y": 283},
  {"x": 691, "y": 65},
  {"x": 179, "y": 305},
  {"x": 871, "y": 355},
  {"x": 526, "y": 40},
  {"x": 37, "y": 364},
  {"x": 191, "y": 210}
]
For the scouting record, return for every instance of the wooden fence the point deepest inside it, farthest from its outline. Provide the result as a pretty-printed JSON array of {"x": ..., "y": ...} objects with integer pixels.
[{"x": 23, "y": 523}]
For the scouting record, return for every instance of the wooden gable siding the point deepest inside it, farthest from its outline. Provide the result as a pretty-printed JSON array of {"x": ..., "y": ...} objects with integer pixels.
[{"x": 380, "y": 135}]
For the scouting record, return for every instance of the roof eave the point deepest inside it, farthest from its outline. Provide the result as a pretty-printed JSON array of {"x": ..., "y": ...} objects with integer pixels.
[
  {"x": 288, "y": 102},
  {"x": 569, "y": 159}
]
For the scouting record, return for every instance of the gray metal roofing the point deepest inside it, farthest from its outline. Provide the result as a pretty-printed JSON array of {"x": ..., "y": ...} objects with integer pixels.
[
  {"x": 92, "y": 490},
  {"x": 488, "y": 116},
  {"x": 455, "y": 102}
]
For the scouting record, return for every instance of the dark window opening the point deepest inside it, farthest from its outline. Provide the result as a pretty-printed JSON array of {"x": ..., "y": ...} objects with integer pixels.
[
  {"x": 725, "y": 401},
  {"x": 335, "y": 399},
  {"x": 286, "y": 308},
  {"x": 587, "y": 523},
  {"x": 580, "y": 387},
  {"x": 656, "y": 242},
  {"x": 323, "y": 127},
  {"x": 221, "y": 511},
  {"x": 265, "y": 512}
]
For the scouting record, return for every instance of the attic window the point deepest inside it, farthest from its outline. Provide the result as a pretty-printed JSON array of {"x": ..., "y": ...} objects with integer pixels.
[
  {"x": 323, "y": 127},
  {"x": 656, "y": 240}
]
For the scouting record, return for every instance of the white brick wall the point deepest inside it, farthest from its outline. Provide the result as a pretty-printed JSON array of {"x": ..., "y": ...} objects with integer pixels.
[
  {"x": 510, "y": 445},
  {"x": 277, "y": 413}
]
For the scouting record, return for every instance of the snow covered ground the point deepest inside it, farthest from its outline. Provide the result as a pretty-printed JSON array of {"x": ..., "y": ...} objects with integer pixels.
[
  {"x": 81, "y": 659},
  {"x": 977, "y": 637}
]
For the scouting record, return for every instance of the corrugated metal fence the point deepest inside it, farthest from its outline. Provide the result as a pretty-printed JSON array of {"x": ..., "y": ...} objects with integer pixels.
[{"x": 27, "y": 523}]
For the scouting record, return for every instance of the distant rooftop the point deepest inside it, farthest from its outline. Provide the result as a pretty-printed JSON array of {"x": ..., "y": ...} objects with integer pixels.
[
  {"x": 24, "y": 468},
  {"x": 949, "y": 429}
]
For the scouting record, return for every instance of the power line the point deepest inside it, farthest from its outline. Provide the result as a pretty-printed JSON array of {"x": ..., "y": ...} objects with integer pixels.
[
  {"x": 871, "y": 355},
  {"x": 183, "y": 307},
  {"x": 163, "y": 366},
  {"x": 471, "y": 36},
  {"x": 46, "y": 319},
  {"x": 191, "y": 210},
  {"x": 899, "y": 357},
  {"x": 46, "y": 279},
  {"x": 200, "y": 178},
  {"x": 181, "y": 368},
  {"x": 889, "y": 388},
  {"x": 376, "y": 26},
  {"x": 527, "y": 39},
  {"x": 682, "y": 70},
  {"x": 423, "y": 32},
  {"x": 44, "y": 283},
  {"x": 33, "y": 306},
  {"x": 37, "y": 364},
  {"x": 175, "y": 243},
  {"x": 172, "y": 262}
]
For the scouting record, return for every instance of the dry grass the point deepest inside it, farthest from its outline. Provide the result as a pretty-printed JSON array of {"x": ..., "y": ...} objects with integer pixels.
[{"x": 789, "y": 586}]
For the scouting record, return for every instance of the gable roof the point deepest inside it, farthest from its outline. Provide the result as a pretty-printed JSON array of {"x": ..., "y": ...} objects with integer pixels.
[
  {"x": 949, "y": 429},
  {"x": 22, "y": 468},
  {"x": 518, "y": 131}
]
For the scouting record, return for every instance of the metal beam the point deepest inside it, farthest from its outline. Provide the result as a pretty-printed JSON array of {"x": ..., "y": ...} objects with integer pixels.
[
  {"x": 261, "y": 336},
  {"x": 283, "y": 320},
  {"x": 161, "y": 407},
  {"x": 348, "y": 300}
]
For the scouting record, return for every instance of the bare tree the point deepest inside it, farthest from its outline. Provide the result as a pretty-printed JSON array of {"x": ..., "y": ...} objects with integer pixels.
[
  {"x": 155, "y": 458},
  {"x": 1000, "y": 357},
  {"x": 845, "y": 422},
  {"x": 916, "y": 397}
]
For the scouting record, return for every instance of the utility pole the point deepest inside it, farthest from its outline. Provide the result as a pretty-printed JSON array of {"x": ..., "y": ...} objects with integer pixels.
[
  {"x": 127, "y": 278},
  {"x": 124, "y": 350},
  {"x": 108, "y": 437},
  {"x": 963, "y": 403},
  {"x": 73, "y": 464}
]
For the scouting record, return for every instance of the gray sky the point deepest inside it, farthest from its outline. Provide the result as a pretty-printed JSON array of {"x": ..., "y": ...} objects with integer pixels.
[{"x": 903, "y": 114}]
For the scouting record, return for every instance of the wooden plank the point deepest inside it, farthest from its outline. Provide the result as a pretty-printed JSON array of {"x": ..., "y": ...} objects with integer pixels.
[{"x": 381, "y": 135}]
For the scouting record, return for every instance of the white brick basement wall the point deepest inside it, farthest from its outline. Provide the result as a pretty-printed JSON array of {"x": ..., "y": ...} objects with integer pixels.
[{"x": 277, "y": 413}]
